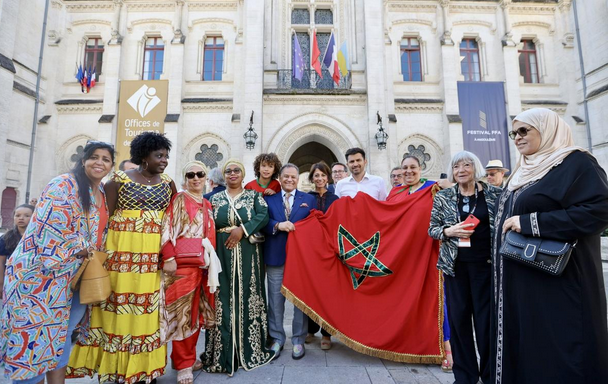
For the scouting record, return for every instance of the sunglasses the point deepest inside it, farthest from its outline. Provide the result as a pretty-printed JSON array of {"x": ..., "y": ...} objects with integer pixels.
[
  {"x": 192, "y": 174},
  {"x": 522, "y": 131},
  {"x": 229, "y": 171},
  {"x": 98, "y": 142}
]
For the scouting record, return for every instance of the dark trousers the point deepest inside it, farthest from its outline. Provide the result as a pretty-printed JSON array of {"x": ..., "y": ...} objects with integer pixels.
[
  {"x": 468, "y": 294},
  {"x": 314, "y": 328}
]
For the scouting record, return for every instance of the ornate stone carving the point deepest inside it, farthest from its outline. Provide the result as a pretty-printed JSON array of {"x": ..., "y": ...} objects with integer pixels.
[
  {"x": 486, "y": 24},
  {"x": 428, "y": 23},
  {"x": 216, "y": 5},
  {"x": 306, "y": 99},
  {"x": 427, "y": 151},
  {"x": 147, "y": 21},
  {"x": 91, "y": 21},
  {"x": 69, "y": 152},
  {"x": 92, "y": 7},
  {"x": 195, "y": 146},
  {"x": 189, "y": 107},
  {"x": 535, "y": 24},
  {"x": 79, "y": 109},
  {"x": 153, "y": 6},
  {"x": 209, "y": 155}
]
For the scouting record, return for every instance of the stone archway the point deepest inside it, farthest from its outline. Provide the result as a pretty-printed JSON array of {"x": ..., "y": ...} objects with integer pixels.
[{"x": 306, "y": 156}]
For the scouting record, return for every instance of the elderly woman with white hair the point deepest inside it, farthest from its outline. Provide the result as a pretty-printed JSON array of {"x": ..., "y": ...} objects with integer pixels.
[
  {"x": 190, "y": 271},
  {"x": 463, "y": 218},
  {"x": 550, "y": 327}
]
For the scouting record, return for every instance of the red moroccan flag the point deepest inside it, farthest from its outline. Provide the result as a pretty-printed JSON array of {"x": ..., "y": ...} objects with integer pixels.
[
  {"x": 366, "y": 272},
  {"x": 315, "y": 55}
]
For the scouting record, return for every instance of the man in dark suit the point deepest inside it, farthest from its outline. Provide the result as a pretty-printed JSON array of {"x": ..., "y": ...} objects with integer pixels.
[{"x": 285, "y": 209}]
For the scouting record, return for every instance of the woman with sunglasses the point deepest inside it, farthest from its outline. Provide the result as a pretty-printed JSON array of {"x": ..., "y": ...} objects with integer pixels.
[
  {"x": 239, "y": 335},
  {"x": 124, "y": 344},
  {"x": 40, "y": 311},
  {"x": 545, "y": 328},
  {"x": 463, "y": 218},
  {"x": 190, "y": 271}
]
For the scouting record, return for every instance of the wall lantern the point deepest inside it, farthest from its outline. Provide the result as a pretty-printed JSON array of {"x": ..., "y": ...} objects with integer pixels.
[
  {"x": 250, "y": 135},
  {"x": 381, "y": 136}
]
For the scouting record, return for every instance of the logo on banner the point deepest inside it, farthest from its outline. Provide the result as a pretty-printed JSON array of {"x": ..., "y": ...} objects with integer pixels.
[
  {"x": 482, "y": 116},
  {"x": 368, "y": 250},
  {"x": 144, "y": 100}
]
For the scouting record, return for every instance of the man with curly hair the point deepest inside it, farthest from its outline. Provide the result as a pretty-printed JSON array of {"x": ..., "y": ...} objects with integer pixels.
[{"x": 266, "y": 168}]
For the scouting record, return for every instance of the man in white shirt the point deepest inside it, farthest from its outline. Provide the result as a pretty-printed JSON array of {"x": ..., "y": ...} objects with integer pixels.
[{"x": 360, "y": 180}]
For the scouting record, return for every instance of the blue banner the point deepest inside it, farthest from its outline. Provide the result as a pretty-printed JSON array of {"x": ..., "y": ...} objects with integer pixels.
[{"x": 485, "y": 124}]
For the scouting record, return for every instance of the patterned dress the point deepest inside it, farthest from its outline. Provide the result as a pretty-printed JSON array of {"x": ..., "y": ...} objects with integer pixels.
[
  {"x": 37, "y": 299},
  {"x": 124, "y": 344},
  {"x": 239, "y": 337}
]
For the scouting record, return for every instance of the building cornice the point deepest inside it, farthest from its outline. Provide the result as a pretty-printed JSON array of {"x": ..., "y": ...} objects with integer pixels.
[{"x": 315, "y": 100}]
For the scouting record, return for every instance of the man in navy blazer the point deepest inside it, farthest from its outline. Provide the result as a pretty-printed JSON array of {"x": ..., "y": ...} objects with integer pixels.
[{"x": 285, "y": 208}]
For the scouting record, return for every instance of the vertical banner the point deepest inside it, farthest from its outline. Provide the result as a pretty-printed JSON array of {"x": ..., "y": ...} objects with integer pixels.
[
  {"x": 142, "y": 107},
  {"x": 485, "y": 125}
]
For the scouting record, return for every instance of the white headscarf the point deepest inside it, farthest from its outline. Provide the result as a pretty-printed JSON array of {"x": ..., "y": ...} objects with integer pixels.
[{"x": 556, "y": 144}]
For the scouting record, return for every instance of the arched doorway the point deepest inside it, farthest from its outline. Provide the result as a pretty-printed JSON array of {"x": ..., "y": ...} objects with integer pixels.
[{"x": 307, "y": 155}]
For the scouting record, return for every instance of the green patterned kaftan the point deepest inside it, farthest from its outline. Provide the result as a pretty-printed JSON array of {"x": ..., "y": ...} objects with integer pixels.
[{"x": 239, "y": 339}]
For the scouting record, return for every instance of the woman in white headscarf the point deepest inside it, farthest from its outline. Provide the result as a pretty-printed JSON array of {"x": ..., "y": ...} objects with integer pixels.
[{"x": 545, "y": 328}]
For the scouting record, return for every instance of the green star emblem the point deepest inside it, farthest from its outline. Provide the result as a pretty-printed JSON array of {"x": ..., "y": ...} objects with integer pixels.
[{"x": 358, "y": 275}]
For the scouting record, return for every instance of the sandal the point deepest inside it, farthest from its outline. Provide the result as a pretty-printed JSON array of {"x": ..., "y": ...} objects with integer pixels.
[
  {"x": 185, "y": 376},
  {"x": 326, "y": 343},
  {"x": 446, "y": 365},
  {"x": 197, "y": 366}
]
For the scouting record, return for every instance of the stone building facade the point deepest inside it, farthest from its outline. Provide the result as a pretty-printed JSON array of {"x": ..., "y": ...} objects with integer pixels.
[{"x": 227, "y": 59}]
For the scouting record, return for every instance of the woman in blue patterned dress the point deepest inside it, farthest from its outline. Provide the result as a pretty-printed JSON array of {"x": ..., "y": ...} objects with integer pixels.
[{"x": 40, "y": 311}]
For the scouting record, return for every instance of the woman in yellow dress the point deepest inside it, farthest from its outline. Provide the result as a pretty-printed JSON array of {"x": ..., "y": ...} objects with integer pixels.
[{"x": 123, "y": 344}]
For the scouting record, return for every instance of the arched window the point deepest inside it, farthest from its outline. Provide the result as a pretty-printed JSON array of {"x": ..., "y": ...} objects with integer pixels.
[{"x": 213, "y": 58}]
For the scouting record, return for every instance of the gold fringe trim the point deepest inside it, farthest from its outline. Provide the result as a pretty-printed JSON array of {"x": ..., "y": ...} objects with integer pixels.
[{"x": 361, "y": 348}]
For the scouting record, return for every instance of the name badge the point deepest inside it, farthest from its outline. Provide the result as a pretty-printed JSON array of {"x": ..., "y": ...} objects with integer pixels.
[{"x": 465, "y": 242}]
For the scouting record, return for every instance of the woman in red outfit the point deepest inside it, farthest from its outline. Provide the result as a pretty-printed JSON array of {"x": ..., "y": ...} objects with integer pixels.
[
  {"x": 266, "y": 168},
  {"x": 189, "y": 281}
]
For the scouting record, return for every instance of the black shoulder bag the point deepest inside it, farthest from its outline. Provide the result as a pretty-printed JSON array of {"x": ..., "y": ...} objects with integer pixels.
[{"x": 546, "y": 255}]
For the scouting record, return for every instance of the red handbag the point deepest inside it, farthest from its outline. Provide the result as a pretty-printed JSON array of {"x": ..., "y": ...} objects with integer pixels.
[{"x": 189, "y": 252}]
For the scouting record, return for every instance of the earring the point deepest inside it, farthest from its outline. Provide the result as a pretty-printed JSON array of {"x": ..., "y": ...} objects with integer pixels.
[{"x": 145, "y": 168}]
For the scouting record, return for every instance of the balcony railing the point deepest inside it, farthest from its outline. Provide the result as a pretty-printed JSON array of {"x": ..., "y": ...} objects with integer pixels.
[{"x": 312, "y": 81}]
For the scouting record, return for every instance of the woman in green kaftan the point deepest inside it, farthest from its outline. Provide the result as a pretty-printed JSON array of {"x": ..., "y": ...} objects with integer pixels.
[{"x": 239, "y": 338}]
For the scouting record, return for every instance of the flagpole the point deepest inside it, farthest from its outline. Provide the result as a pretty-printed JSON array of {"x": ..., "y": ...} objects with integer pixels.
[{"x": 36, "y": 102}]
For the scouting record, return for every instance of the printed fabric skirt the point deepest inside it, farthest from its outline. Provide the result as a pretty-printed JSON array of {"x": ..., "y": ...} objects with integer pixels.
[{"x": 123, "y": 344}]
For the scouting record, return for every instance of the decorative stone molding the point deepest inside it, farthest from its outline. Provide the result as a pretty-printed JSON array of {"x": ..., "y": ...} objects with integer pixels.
[
  {"x": 532, "y": 9},
  {"x": 147, "y": 21},
  {"x": 428, "y": 23},
  {"x": 419, "y": 107},
  {"x": 211, "y": 107},
  {"x": 63, "y": 156},
  {"x": 211, "y": 21},
  {"x": 305, "y": 128},
  {"x": 559, "y": 108},
  {"x": 91, "y": 21},
  {"x": 531, "y": 23},
  {"x": 401, "y": 6},
  {"x": 56, "y": 4},
  {"x": 153, "y": 6},
  {"x": 79, "y": 109},
  {"x": 193, "y": 146},
  {"x": 472, "y": 8},
  {"x": 92, "y": 7},
  {"x": 216, "y": 6},
  {"x": 434, "y": 164},
  {"x": 486, "y": 24},
  {"x": 308, "y": 100}
]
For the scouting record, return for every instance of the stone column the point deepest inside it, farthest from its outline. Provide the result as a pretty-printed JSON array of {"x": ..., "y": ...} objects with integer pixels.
[
  {"x": 112, "y": 73},
  {"x": 450, "y": 70},
  {"x": 564, "y": 7},
  {"x": 378, "y": 160},
  {"x": 252, "y": 74},
  {"x": 175, "y": 74},
  {"x": 507, "y": 24}
]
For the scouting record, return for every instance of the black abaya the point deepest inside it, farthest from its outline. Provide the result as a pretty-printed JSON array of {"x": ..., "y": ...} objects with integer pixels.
[{"x": 548, "y": 329}]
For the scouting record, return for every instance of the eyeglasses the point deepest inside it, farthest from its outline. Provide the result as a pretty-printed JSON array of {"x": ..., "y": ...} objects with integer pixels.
[
  {"x": 191, "y": 174},
  {"x": 99, "y": 142},
  {"x": 338, "y": 172},
  {"x": 522, "y": 131},
  {"x": 229, "y": 171},
  {"x": 395, "y": 176}
]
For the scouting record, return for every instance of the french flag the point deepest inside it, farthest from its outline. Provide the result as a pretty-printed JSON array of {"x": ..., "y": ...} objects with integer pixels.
[{"x": 330, "y": 59}]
